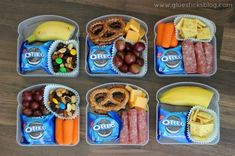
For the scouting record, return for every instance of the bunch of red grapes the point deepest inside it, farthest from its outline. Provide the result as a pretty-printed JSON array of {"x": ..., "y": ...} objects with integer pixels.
[{"x": 32, "y": 102}]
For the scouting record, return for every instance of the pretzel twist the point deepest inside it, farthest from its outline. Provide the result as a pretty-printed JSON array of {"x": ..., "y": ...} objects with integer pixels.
[
  {"x": 103, "y": 32},
  {"x": 103, "y": 100}
]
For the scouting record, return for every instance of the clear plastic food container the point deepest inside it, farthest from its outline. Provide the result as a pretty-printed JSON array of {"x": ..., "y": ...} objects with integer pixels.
[
  {"x": 37, "y": 127},
  {"x": 175, "y": 19},
  {"x": 213, "y": 107},
  {"x": 114, "y": 70},
  {"x": 117, "y": 141},
  {"x": 26, "y": 28}
]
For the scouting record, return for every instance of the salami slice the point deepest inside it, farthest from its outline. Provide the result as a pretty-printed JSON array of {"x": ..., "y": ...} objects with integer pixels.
[
  {"x": 201, "y": 58},
  {"x": 142, "y": 126},
  {"x": 190, "y": 64},
  {"x": 209, "y": 53},
  {"x": 133, "y": 132},
  {"x": 124, "y": 135}
]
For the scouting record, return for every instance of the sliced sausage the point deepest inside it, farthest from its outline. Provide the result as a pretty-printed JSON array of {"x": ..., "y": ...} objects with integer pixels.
[
  {"x": 133, "y": 132},
  {"x": 209, "y": 53},
  {"x": 189, "y": 58},
  {"x": 142, "y": 126},
  {"x": 124, "y": 135},
  {"x": 201, "y": 58}
]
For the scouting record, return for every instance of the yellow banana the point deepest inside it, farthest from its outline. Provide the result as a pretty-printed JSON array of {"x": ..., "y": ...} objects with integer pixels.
[
  {"x": 52, "y": 30},
  {"x": 187, "y": 96}
]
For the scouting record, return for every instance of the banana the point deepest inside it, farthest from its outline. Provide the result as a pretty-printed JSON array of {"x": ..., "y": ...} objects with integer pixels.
[
  {"x": 52, "y": 30},
  {"x": 187, "y": 96}
]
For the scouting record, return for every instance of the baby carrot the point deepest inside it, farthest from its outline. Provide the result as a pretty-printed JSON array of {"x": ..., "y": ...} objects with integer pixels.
[
  {"x": 59, "y": 131},
  {"x": 168, "y": 32},
  {"x": 75, "y": 131},
  {"x": 160, "y": 29},
  {"x": 174, "y": 41},
  {"x": 68, "y": 131}
]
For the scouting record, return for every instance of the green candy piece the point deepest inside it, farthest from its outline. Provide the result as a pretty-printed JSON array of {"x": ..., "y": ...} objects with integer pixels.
[
  {"x": 59, "y": 60},
  {"x": 63, "y": 70}
]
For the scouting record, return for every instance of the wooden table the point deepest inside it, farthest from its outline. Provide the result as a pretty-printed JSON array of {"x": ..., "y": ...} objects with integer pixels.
[{"x": 12, "y": 12}]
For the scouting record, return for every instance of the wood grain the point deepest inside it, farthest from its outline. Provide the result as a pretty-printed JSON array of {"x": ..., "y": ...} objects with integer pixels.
[{"x": 14, "y": 11}]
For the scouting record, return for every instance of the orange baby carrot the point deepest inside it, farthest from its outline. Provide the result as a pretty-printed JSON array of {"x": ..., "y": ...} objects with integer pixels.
[
  {"x": 174, "y": 41},
  {"x": 59, "y": 131},
  {"x": 160, "y": 31},
  {"x": 68, "y": 131},
  {"x": 75, "y": 131},
  {"x": 168, "y": 32}
]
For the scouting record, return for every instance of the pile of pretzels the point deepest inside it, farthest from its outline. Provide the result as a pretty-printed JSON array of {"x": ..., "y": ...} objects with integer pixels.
[{"x": 103, "y": 32}]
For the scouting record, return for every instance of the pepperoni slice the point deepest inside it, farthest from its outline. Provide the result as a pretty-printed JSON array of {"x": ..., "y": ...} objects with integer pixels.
[
  {"x": 142, "y": 126},
  {"x": 209, "y": 49},
  {"x": 190, "y": 64},
  {"x": 133, "y": 132},
  {"x": 124, "y": 135},
  {"x": 201, "y": 58}
]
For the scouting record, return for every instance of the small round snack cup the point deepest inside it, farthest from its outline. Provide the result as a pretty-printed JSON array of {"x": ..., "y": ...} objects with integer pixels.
[
  {"x": 63, "y": 58},
  {"x": 141, "y": 60},
  {"x": 202, "y": 125},
  {"x": 200, "y": 22},
  {"x": 62, "y": 101}
]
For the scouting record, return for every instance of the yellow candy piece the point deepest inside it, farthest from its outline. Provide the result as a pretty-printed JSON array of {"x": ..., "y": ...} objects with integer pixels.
[
  {"x": 55, "y": 101},
  {"x": 73, "y": 52}
]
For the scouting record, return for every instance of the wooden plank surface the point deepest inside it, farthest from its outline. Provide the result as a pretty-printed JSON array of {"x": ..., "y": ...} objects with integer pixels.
[{"x": 14, "y": 11}]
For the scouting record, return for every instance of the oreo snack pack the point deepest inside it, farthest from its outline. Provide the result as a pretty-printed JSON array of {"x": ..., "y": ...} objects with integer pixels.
[
  {"x": 34, "y": 56},
  {"x": 169, "y": 61},
  {"x": 172, "y": 125},
  {"x": 38, "y": 130},
  {"x": 100, "y": 59},
  {"x": 104, "y": 128}
]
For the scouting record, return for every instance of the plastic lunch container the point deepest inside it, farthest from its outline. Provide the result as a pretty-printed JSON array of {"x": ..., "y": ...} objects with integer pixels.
[
  {"x": 26, "y": 27},
  {"x": 213, "y": 42},
  {"x": 145, "y": 52},
  {"x": 19, "y": 136},
  {"x": 214, "y": 105},
  {"x": 87, "y": 110}
]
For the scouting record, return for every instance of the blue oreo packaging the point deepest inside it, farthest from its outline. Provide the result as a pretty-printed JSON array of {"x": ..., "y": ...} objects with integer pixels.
[
  {"x": 169, "y": 61},
  {"x": 38, "y": 130},
  {"x": 172, "y": 125},
  {"x": 100, "y": 59},
  {"x": 104, "y": 128},
  {"x": 34, "y": 56}
]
